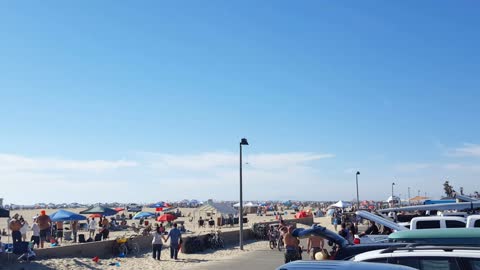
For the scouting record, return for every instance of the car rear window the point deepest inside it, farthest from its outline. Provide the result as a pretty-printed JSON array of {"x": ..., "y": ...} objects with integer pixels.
[
  {"x": 477, "y": 224},
  {"x": 454, "y": 224},
  {"x": 428, "y": 224}
]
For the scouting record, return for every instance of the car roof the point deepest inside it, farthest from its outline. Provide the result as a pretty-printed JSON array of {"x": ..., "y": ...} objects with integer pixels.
[
  {"x": 439, "y": 218},
  {"x": 422, "y": 251},
  {"x": 436, "y": 233},
  {"x": 340, "y": 265}
]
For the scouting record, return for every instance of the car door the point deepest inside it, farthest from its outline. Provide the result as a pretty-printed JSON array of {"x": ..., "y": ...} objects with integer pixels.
[{"x": 428, "y": 263}]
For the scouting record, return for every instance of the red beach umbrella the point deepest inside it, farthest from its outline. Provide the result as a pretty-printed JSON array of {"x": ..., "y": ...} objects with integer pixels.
[
  {"x": 95, "y": 216},
  {"x": 166, "y": 217},
  {"x": 119, "y": 209}
]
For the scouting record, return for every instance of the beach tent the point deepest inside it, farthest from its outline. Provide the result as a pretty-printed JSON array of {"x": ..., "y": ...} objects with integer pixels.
[
  {"x": 340, "y": 204},
  {"x": 64, "y": 215},
  {"x": 301, "y": 214},
  {"x": 212, "y": 208},
  {"x": 250, "y": 204},
  {"x": 104, "y": 211},
  {"x": 4, "y": 213},
  {"x": 236, "y": 205},
  {"x": 143, "y": 215},
  {"x": 330, "y": 212},
  {"x": 166, "y": 217}
]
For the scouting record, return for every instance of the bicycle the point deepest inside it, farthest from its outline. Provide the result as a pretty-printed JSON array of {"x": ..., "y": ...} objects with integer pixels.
[
  {"x": 125, "y": 246},
  {"x": 215, "y": 241}
]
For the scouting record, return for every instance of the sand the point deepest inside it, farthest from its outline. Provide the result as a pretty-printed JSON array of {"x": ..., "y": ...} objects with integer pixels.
[{"x": 142, "y": 262}]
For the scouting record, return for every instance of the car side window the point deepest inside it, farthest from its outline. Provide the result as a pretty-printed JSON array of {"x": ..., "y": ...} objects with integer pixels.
[
  {"x": 428, "y": 263},
  {"x": 379, "y": 260},
  {"x": 428, "y": 224},
  {"x": 454, "y": 224},
  {"x": 474, "y": 263},
  {"x": 477, "y": 224}
]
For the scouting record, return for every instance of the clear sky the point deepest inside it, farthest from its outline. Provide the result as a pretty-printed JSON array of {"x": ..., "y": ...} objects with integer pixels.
[{"x": 147, "y": 101}]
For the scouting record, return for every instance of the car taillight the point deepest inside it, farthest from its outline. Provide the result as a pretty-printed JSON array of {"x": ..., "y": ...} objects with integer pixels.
[{"x": 356, "y": 241}]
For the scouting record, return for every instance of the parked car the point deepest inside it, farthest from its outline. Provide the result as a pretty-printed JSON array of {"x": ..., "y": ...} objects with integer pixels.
[
  {"x": 426, "y": 257},
  {"x": 473, "y": 221},
  {"x": 437, "y": 222},
  {"x": 340, "y": 265},
  {"x": 341, "y": 248},
  {"x": 454, "y": 236},
  {"x": 133, "y": 207}
]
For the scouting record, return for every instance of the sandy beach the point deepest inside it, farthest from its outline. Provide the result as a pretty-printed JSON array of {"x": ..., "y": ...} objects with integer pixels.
[{"x": 144, "y": 261}]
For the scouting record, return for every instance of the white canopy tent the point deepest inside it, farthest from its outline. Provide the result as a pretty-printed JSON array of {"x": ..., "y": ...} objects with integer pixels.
[{"x": 341, "y": 204}]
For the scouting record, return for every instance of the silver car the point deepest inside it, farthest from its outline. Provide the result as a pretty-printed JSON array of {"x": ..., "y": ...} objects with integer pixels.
[{"x": 340, "y": 265}]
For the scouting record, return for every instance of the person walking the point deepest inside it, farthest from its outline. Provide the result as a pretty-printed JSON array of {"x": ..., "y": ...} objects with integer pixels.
[
  {"x": 315, "y": 244},
  {"x": 35, "y": 234},
  {"x": 15, "y": 225},
  {"x": 174, "y": 235},
  {"x": 75, "y": 230},
  {"x": 292, "y": 248},
  {"x": 157, "y": 243},
  {"x": 92, "y": 225},
  {"x": 45, "y": 224},
  {"x": 24, "y": 229}
]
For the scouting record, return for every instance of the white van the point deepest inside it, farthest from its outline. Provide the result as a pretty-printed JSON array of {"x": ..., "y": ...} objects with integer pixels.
[{"x": 437, "y": 222}]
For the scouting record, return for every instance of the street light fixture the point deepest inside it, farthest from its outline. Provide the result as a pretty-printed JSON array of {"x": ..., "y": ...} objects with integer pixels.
[
  {"x": 393, "y": 199},
  {"x": 356, "y": 180},
  {"x": 242, "y": 142}
]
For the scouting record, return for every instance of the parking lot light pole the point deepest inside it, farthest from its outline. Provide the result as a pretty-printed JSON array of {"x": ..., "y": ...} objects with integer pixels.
[{"x": 242, "y": 142}]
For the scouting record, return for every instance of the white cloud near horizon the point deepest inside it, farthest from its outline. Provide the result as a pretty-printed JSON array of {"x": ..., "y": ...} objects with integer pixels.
[
  {"x": 156, "y": 176},
  {"x": 11, "y": 162},
  {"x": 467, "y": 150}
]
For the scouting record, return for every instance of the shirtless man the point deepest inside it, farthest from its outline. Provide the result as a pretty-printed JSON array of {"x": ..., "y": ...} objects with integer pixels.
[
  {"x": 45, "y": 224},
  {"x": 15, "y": 225},
  {"x": 314, "y": 244},
  {"x": 291, "y": 246},
  {"x": 59, "y": 231}
]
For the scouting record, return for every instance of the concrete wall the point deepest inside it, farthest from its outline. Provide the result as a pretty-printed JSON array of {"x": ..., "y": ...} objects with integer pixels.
[{"x": 103, "y": 249}]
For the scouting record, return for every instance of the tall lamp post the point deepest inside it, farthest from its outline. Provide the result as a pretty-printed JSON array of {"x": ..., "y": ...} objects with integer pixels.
[
  {"x": 356, "y": 180},
  {"x": 393, "y": 199},
  {"x": 242, "y": 142},
  {"x": 409, "y": 196}
]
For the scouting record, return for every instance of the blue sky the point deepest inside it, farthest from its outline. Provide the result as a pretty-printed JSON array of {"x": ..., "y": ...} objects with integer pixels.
[{"x": 154, "y": 97}]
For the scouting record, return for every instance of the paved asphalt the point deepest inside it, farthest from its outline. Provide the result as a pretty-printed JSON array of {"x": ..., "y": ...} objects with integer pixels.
[{"x": 255, "y": 260}]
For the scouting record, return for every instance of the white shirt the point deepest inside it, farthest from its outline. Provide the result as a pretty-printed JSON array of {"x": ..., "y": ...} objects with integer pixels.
[
  {"x": 157, "y": 239},
  {"x": 35, "y": 229},
  {"x": 92, "y": 224},
  {"x": 24, "y": 228}
]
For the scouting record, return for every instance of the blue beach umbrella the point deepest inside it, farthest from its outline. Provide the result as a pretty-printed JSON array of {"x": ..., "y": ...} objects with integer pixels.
[
  {"x": 64, "y": 215},
  {"x": 143, "y": 215},
  {"x": 157, "y": 205}
]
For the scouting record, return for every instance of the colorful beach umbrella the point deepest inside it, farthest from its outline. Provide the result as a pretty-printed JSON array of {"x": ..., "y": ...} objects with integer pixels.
[
  {"x": 119, "y": 209},
  {"x": 166, "y": 217},
  {"x": 64, "y": 215},
  {"x": 143, "y": 215},
  {"x": 104, "y": 211},
  {"x": 95, "y": 216}
]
